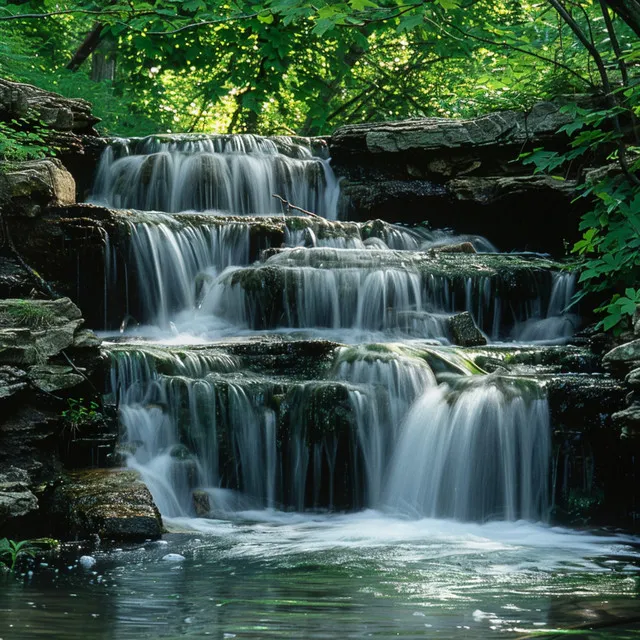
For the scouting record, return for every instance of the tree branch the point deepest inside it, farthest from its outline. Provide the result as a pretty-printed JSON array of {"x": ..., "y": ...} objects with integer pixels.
[
  {"x": 525, "y": 51},
  {"x": 289, "y": 206},
  {"x": 606, "y": 86}
]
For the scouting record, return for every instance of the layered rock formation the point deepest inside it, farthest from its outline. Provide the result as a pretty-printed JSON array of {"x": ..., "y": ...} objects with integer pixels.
[{"x": 461, "y": 173}]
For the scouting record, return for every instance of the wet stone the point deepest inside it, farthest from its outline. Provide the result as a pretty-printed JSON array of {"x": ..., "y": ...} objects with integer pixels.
[
  {"x": 464, "y": 331},
  {"x": 623, "y": 358},
  {"x": 16, "y": 498},
  {"x": 201, "y": 503},
  {"x": 633, "y": 379},
  {"x": 114, "y": 504}
]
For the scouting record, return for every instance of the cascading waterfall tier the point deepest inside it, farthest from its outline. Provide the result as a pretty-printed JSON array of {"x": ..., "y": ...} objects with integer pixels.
[
  {"x": 237, "y": 174},
  {"x": 172, "y": 260},
  {"x": 375, "y": 428},
  {"x": 408, "y": 293},
  {"x": 479, "y": 451}
]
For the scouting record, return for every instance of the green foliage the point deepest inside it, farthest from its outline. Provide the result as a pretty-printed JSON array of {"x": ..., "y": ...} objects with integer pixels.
[
  {"x": 79, "y": 413},
  {"x": 24, "y": 139},
  {"x": 11, "y": 551},
  {"x": 301, "y": 67},
  {"x": 291, "y": 66},
  {"x": 610, "y": 246}
]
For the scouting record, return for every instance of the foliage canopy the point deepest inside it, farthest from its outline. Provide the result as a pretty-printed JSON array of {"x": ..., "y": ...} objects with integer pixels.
[{"x": 293, "y": 66}]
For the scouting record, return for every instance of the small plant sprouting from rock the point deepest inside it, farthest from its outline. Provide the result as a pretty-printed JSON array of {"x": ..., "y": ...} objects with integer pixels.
[
  {"x": 80, "y": 412},
  {"x": 11, "y": 551},
  {"x": 25, "y": 313}
]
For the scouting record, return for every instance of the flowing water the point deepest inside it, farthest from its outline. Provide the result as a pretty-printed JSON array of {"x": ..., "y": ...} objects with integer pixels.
[{"x": 330, "y": 463}]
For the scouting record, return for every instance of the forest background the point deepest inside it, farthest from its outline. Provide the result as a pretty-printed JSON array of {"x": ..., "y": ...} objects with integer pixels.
[{"x": 304, "y": 67}]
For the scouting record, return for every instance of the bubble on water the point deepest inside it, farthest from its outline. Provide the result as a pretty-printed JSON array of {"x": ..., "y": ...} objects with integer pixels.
[
  {"x": 87, "y": 562},
  {"x": 173, "y": 557}
]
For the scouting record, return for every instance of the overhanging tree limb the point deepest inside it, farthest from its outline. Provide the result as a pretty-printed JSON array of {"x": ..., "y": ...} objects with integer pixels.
[{"x": 628, "y": 11}]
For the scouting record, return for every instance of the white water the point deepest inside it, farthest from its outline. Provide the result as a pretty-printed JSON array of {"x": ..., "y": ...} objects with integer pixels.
[
  {"x": 237, "y": 174},
  {"x": 417, "y": 447},
  {"x": 473, "y": 456}
]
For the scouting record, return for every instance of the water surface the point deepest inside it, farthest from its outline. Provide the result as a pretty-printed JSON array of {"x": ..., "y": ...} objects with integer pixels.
[{"x": 273, "y": 575}]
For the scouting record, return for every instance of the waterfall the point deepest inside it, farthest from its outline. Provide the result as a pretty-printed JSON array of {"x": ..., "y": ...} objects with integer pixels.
[
  {"x": 555, "y": 323},
  {"x": 478, "y": 453},
  {"x": 258, "y": 413},
  {"x": 237, "y": 174},
  {"x": 174, "y": 262},
  {"x": 387, "y": 291}
]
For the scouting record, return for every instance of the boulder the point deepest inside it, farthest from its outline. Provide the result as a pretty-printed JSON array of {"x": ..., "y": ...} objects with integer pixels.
[
  {"x": 623, "y": 358},
  {"x": 113, "y": 504},
  {"x": 201, "y": 503},
  {"x": 27, "y": 188},
  {"x": 464, "y": 331},
  {"x": 16, "y": 498},
  {"x": 461, "y": 247}
]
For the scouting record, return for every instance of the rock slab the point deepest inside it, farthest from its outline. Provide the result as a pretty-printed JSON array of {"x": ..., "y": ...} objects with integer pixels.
[{"x": 113, "y": 504}]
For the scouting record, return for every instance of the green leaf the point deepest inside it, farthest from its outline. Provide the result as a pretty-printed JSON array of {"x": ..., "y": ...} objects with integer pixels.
[{"x": 611, "y": 321}]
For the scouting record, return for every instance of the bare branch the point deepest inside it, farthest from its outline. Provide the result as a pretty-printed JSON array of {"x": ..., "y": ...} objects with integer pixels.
[{"x": 289, "y": 206}]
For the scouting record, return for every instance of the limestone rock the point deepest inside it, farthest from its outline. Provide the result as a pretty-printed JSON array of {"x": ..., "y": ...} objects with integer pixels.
[
  {"x": 425, "y": 134},
  {"x": 12, "y": 380},
  {"x": 52, "y": 377},
  {"x": 31, "y": 331},
  {"x": 623, "y": 358},
  {"x": 461, "y": 247},
  {"x": 633, "y": 379},
  {"x": 26, "y": 188},
  {"x": 18, "y": 100},
  {"x": 628, "y": 419},
  {"x": 16, "y": 499},
  {"x": 488, "y": 190},
  {"x": 113, "y": 504},
  {"x": 86, "y": 339},
  {"x": 464, "y": 331},
  {"x": 17, "y": 346}
]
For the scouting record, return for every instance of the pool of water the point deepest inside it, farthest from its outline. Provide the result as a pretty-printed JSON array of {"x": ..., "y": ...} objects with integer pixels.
[{"x": 367, "y": 575}]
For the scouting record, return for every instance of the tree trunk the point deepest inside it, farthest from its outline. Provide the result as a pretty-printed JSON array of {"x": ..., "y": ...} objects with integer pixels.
[
  {"x": 628, "y": 11},
  {"x": 103, "y": 61},
  {"x": 88, "y": 46}
]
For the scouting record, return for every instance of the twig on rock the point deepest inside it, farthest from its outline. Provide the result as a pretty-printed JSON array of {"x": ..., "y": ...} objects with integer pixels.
[{"x": 288, "y": 206}]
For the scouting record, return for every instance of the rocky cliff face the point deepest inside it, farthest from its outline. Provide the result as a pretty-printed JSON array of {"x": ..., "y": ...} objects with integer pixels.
[
  {"x": 69, "y": 124},
  {"x": 460, "y": 173},
  {"x": 51, "y": 366}
]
